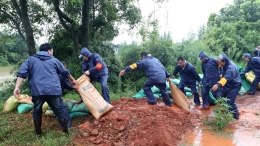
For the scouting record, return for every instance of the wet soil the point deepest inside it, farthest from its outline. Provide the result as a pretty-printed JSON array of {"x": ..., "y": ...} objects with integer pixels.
[{"x": 134, "y": 123}]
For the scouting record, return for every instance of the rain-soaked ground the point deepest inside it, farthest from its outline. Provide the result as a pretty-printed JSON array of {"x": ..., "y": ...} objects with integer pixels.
[{"x": 243, "y": 132}]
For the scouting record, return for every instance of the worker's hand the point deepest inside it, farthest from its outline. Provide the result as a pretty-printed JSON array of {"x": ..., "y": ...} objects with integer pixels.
[
  {"x": 122, "y": 72},
  {"x": 173, "y": 77},
  {"x": 73, "y": 82},
  {"x": 75, "y": 86},
  {"x": 215, "y": 87},
  {"x": 168, "y": 79},
  {"x": 87, "y": 73},
  {"x": 16, "y": 92}
]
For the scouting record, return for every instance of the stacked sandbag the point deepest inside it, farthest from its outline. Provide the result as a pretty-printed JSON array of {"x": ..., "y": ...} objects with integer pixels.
[
  {"x": 12, "y": 103},
  {"x": 157, "y": 93},
  {"x": 75, "y": 110},
  {"x": 22, "y": 104}
]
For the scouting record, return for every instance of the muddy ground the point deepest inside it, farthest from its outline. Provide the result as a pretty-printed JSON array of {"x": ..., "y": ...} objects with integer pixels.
[{"x": 134, "y": 123}]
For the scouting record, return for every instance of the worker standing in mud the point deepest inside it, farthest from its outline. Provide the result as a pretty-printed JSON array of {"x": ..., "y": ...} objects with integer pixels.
[
  {"x": 252, "y": 64},
  {"x": 230, "y": 83},
  {"x": 189, "y": 76},
  {"x": 42, "y": 70},
  {"x": 94, "y": 67},
  {"x": 156, "y": 76},
  {"x": 211, "y": 77}
]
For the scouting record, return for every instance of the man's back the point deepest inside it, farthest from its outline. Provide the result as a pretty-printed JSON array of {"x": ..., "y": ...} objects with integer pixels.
[
  {"x": 153, "y": 68},
  {"x": 42, "y": 69}
]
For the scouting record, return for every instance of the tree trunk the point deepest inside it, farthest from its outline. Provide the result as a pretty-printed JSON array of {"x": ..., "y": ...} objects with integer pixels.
[
  {"x": 27, "y": 27},
  {"x": 75, "y": 38},
  {"x": 85, "y": 23}
]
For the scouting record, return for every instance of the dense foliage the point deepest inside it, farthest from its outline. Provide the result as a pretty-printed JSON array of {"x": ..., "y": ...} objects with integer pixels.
[{"x": 234, "y": 30}]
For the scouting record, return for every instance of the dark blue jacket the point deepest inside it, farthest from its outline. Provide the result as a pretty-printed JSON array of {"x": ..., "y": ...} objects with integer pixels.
[
  {"x": 257, "y": 53},
  {"x": 95, "y": 64},
  {"x": 210, "y": 70},
  {"x": 231, "y": 74},
  {"x": 153, "y": 68},
  {"x": 65, "y": 84},
  {"x": 42, "y": 70},
  {"x": 253, "y": 64},
  {"x": 188, "y": 74}
]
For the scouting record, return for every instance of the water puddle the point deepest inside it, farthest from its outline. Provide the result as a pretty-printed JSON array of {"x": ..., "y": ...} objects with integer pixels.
[{"x": 243, "y": 132}]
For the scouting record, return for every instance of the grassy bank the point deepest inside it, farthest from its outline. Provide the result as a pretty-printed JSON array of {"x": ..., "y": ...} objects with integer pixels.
[{"x": 17, "y": 129}]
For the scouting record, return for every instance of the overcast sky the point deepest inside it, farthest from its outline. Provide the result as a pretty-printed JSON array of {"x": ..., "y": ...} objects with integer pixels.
[{"x": 176, "y": 16}]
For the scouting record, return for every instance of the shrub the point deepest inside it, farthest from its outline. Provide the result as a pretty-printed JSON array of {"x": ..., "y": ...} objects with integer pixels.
[{"x": 222, "y": 116}]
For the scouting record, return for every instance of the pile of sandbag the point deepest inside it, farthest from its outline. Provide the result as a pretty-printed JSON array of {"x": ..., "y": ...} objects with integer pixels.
[
  {"x": 93, "y": 102},
  {"x": 156, "y": 91},
  {"x": 75, "y": 110},
  {"x": 23, "y": 104}
]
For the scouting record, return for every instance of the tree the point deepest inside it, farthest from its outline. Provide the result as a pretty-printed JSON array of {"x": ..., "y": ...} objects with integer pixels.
[
  {"x": 95, "y": 19},
  {"x": 21, "y": 17},
  {"x": 237, "y": 25},
  {"x": 12, "y": 49}
]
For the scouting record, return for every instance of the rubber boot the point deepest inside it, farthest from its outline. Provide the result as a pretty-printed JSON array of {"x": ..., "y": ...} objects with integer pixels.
[
  {"x": 37, "y": 125},
  {"x": 63, "y": 124}
]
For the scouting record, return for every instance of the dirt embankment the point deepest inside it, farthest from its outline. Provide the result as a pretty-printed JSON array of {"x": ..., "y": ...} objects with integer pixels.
[{"x": 134, "y": 123}]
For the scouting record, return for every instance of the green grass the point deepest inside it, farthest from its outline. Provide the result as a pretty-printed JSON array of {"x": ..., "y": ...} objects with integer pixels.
[{"x": 18, "y": 129}]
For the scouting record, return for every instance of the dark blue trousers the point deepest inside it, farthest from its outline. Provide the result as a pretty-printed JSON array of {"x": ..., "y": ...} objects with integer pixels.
[
  {"x": 105, "y": 91},
  {"x": 55, "y": 103},
  {"x": 205, "y": 96},
  {"x": 194, "y": 90},
  {"x": 149, "y": 94},
  {"x": 254, "y": 85},
  {"x": 231, "y": 94}
]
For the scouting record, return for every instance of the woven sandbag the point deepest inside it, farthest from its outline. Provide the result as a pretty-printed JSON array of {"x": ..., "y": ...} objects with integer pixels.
[
  {"x": 250, "y": 80},
  {"x": 78, "y": 114},
  {"x": 45, "y": 106},
  {"x": 69, "y": 103},
  {"x": 91, "y": 97},
  {"x": 179, "y": 98},
  {"x": 12, "y": 103},
  {"x": 49, "y": 112},
  {"x": 140, "y": 94},
  {"x": 26, "y": 100},
  {"x": 79, "y": 108},
  {"x": 24, "y": 108}
]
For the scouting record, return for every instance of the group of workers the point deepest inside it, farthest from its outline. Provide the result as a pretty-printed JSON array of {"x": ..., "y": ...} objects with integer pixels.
[
  {"x": 47, "y": 78},
  {"x": 220, "y": 76}
]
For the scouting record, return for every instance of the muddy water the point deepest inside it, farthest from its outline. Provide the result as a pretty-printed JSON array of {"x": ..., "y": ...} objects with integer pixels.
[
  {"x": 243, "y": 132},
  {"x": 5, "y": 74}
]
